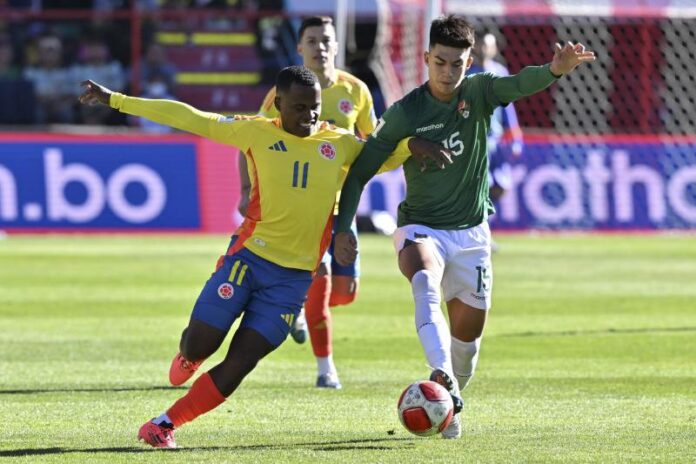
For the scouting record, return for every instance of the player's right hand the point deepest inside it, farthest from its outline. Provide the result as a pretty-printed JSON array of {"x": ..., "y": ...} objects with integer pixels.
[
  {"x": 345, "y": 248},
  {"x": 423, "y": 150},
  {"x": 94, "y": 93}
]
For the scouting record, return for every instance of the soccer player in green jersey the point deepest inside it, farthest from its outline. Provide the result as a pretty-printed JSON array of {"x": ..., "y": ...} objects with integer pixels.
[{"x": 443, "y": 239}]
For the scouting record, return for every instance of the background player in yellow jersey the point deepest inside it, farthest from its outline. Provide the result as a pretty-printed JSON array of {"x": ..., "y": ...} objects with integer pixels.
[
  {"x": 347, "y": 103},
  {"x": 267, "y": 269}
]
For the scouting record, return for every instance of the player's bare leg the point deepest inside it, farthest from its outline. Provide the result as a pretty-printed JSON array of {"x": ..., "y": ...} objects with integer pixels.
[
  {"x": 466, "y": 326},
  {"x": 247, "y": 348},
  {"x": 210, "y": 390},
  {"x": 198, "y": 341}
]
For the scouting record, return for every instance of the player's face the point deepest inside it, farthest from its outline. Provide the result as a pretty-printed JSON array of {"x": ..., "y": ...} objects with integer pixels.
[
  {"x": 318, "y": 47},
  {"x": 446, "y": 68},
  {"x": 299, "y": 109}
]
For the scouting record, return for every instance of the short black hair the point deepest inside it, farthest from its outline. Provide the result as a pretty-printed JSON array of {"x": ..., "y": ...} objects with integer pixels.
[
  {"x": 313, "y": 21},
  {"x": 452, "y": 31},
  {"x": 295, "y": 75}
]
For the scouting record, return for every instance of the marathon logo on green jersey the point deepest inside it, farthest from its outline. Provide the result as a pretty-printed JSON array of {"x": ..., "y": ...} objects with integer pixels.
[{"x": 439, "y": 125}]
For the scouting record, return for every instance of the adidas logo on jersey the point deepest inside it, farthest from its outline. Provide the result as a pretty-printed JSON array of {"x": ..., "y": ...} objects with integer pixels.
[{"x": 278, "y": 146}]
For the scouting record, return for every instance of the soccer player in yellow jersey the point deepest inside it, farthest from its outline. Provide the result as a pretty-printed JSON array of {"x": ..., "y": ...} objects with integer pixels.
[
  {"x": 346, "y": 102},
  {"x": 267, "y": 270}
]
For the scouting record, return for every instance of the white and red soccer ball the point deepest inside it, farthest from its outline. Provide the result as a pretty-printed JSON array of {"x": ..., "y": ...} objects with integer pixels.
[{"x": 425, "y": 408}]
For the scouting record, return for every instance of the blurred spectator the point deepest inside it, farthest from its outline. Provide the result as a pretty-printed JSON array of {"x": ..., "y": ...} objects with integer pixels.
[
  {"x": 275, "y": 40},
  {"x": 96, "y": 63},
  {"x": 155, "y": 64},
  {"x": 156, "y": 87},
  {"x": 16, "y": 94},
  {"x": 54, "y": 85},
  {"x": 8, "y": 68}
]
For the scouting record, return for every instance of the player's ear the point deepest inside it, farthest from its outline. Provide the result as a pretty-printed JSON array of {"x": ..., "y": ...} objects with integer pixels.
[
  {"x": 426, "y": 57},
  {"x": 469, "y": 62},
  {"x": 276, "y": 102}
]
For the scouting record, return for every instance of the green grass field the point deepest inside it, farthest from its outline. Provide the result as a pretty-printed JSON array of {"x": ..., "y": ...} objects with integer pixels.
[{"x": 589, "y": 356}]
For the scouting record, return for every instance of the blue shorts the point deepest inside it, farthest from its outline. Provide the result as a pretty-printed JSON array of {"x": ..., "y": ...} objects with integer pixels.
[
  {"x": 270, "y": 296},
  {"x": 352, "y": 270}
]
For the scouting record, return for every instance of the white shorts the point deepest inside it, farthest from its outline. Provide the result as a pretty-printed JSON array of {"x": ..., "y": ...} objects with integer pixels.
[{"x": 464, "y": 256}]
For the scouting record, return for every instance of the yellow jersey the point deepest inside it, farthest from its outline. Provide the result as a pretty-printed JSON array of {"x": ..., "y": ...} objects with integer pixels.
[
  {"x": 294, "y": 180},
  {"x": 346, "y": 104}
]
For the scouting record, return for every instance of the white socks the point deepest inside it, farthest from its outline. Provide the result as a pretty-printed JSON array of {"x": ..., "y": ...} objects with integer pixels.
[
  {"x": 325, "y": 365},
  {"x": 431, "y": 326},
  {"x": 464, "y": 359}
]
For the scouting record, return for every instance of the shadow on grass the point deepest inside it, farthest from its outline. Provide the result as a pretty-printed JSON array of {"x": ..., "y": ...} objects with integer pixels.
[
  {"x": 608, "y": 331},
  {"x": 372, "y": 444},
  {"x": 30, "y": 391}
]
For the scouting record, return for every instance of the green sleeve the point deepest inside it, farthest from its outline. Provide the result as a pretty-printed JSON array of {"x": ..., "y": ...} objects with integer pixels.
[
  {"x": 528, "y": 81},
  {"x": 390, "y": 130}
]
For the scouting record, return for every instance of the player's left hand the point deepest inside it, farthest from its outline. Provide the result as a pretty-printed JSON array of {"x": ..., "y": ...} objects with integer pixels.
[
  {"x": 424, "y": 150},
  {"x": 94, "y": 93},
  {"x": 568, "y": 57},
  {"x": 345, "y": 248}
]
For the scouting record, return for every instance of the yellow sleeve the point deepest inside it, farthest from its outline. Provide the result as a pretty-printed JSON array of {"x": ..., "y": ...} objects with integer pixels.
[
  {"x": 398, "y": 157},
  {"x": 366, "y": 121},
  {"x": 353, "y": 147},
  {"x": 184, "y": 117},
  {"x": 268, "y": 109}
]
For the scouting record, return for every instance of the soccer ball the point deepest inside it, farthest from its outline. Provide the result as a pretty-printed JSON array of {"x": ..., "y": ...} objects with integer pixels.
[{"x": 425, "y": 408}]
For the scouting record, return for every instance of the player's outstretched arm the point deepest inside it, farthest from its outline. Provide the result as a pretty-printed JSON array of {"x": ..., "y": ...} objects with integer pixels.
[
  {"x": 166, "y": 112},
  {"x": 533, "y": 79}
]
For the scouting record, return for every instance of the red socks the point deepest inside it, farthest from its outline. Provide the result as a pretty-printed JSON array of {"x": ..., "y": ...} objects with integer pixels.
[
  {"x": 202, "y": 397},
  {"x": 319, "y": 316}
]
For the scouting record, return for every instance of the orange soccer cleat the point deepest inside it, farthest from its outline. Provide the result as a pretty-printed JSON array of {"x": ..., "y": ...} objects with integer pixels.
[
  {"x": 181, "y": 370},
  {"x": 157, "y": 436}
]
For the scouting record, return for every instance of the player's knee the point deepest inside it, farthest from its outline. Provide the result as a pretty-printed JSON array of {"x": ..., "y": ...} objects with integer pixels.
[
  {"x": 425, "y": 282},
  {"x": 198, "y": 344},
  {"x": 425, "y": 286},
  {"x": 469, "y": 334},
  {"x": 344, "y": 289},
  {"x": 342, "y": 298},
  {"x": 196, "y": 352}
]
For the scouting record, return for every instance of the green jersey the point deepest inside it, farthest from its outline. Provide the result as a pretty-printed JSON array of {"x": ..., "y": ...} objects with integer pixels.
[{"x": 455, "y": 197}]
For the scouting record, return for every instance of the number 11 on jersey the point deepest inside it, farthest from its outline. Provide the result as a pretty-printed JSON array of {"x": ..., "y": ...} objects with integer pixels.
[{"x": 296, "y": 174}]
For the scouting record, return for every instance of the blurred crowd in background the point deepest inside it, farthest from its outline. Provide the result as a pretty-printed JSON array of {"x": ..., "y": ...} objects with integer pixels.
[{"x": 45, "y": 53}]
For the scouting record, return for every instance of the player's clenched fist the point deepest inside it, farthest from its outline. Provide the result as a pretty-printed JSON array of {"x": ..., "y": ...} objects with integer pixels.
[
  {"x": 94, "y": 93},
  {"x": 345, "y": 248}
]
